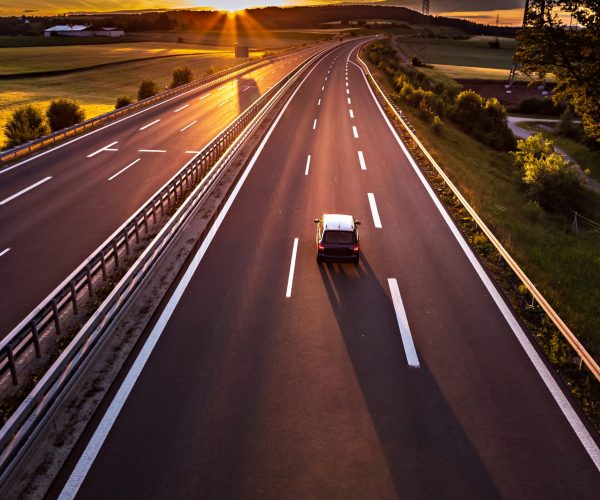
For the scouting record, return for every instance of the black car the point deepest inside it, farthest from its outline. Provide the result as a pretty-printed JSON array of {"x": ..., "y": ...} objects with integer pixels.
[{"x": 337, "y": 238}]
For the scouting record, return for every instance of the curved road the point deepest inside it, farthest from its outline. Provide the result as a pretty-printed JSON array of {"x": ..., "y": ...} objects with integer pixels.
[{"x": 404, "y": 377}]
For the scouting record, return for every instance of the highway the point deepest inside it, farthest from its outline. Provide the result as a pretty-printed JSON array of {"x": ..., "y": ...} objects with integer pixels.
[
  {"x": 58, "y": 207},
  {"x": 269, "y": 375}
]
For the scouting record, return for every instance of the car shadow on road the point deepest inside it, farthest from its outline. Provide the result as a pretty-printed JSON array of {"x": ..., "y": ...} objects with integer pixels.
[
  {"x": 428, "y": 453},
  {"x": 247, "y": 92}
]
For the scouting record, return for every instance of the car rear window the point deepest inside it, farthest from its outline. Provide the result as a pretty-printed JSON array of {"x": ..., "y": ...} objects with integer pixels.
[{"x": 339, "y": 237}]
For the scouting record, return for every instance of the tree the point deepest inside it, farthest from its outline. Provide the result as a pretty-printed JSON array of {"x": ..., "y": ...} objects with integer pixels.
[
  {"x": 181, "y": 76},
  {"x": 547, "y": 45},
  {"x": 550, "y": 179},
  {"x": 25, "y": 124},
  {"x": 122, "y": 101},
  {"x": 147, "y": 88},
  {"x": 63, "y": 113}
]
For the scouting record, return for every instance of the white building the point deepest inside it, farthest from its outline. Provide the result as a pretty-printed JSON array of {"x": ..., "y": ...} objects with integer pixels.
[{"x": 82, "y": 30}]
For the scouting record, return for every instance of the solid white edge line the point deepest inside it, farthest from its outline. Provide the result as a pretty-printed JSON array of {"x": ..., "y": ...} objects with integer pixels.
[
  {"x": 374, "y": 211},
  {"x": 307, "y": 165},
  {"x": 97, "y": 440},
  {"x": 123, "y": 169},
  {"x": 6, "y": 250},
  {"x": 315, "y": 124},
  {"x": 355, "y": 131},
  {"x": 361, "y": 160},
  {"x": 23, "y": 191},
  {"x": 407, "y": 340},
  {"x": 182, "y": 107},
  {"x": 188, "y": 126},
  {"x": 288, "y": 291},
  {"x": 561, "y": 400},
  {"x": 105, "y": 148},
  {"x": 149, "y": 124}
]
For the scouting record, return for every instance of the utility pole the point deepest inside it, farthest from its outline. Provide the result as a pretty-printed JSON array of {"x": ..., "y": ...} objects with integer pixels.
[
  {"x": 515, "y": 63},
  {"x": 424, "y": 39}
]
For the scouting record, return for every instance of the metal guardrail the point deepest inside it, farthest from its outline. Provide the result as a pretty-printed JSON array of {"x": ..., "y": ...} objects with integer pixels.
[
  {"x": 183, "y": 91},
  {"x": 570, "y": 337},
  {"x": 203, "y": 171}
]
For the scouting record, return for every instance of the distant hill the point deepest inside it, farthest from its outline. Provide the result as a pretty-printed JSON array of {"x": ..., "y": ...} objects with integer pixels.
[{"x": 268, "y": 17}]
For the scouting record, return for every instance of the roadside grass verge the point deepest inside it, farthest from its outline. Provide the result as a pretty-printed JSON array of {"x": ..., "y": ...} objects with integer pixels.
[
  {"x": 565, "y": 268},
  {"x": 97, "y": 90}
]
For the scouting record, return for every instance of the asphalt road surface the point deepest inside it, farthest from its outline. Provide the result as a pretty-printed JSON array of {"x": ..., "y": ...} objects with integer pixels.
[
  {"x": 57, "y": 208},
  {"x": 269, "y": 375}
]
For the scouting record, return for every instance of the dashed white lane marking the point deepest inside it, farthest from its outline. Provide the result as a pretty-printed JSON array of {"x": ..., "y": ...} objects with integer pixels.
[
  {"x": 105, "y": 148},
  {"x": 203, "y": 96},
  {"x": 123, "y": 169},
  {"x": 349, "y": 101},
  {"x": 322, "y": 88},
  {"x": 192, "y": 152},
  {"x": 374, "y": 211},
  {"x": 307, "y": 165},
  {"x": 315, "y": 124},
  {"x": 351, "y": 113},
  {"x": 407, "y": 340},
  {"x": 182, "y": 107},
  {"x": 261, "y": 78},
  {"x": 152, "y": 150},
  {"x": 6, "y": 250},
  {"x": 224, "y": 102},
  {"x": 319, "y": 103},
  {"x": 347, "y": 91},
  {"x": 361, "y": 160},
  {"x": 188, "y": 126},
  {"x": 245, "y": 88},
  {"x": 346, "y": 84},
  {"x": 288, "y": 292},
  {"x": 325, "y": 78},
  {"x": 148, "y": 125},
  {"x": 355, "y": 131},
  {"x": 23, "y": 191}
]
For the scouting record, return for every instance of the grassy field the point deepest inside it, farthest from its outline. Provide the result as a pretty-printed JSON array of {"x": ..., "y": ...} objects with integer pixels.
[
  {"x": 33, "y": 59},
  {"x": 97, "y": 90},
  {"x": 566, "y": 268}
]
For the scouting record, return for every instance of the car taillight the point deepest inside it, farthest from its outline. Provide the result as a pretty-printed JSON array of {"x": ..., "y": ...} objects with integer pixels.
[
  {"x": 321, "y": 248},
  {"x": 356, "y": 248}
]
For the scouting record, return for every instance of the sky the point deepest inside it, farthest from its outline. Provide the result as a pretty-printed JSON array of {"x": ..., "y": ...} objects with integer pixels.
[{"x": 483, "y": 11}]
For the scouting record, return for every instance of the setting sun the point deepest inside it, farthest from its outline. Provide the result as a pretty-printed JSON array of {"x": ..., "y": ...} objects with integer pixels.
[{"x": 239, "y": 5}]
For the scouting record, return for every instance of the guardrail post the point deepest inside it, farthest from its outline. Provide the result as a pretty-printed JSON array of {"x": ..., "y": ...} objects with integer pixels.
[
  {"x": 145, "y": 222},
  {"x": 88, "y": 273},
  {"x": 125, "y": 233},
  {"x": 153, "y": 216},
  {"x": 36, "y": 339},
  {"x": 103, "y": 265},
  {"x": 162, "y": 207},
  {"x": 56, "y": 317},
  {"x": 116, "y": 254},
  {"x": 74, "y": 297},
  {"x": 12, "y": 365}
]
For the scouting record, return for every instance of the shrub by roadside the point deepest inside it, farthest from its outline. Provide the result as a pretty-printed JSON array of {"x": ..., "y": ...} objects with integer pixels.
[
  {"x": 181, "y": 76},
  {"x": 25, "y": 124},
  {"x": 123, "y": 101},
  {"x": 147, "y": 88},
  {"x": 63, "y": 113}
]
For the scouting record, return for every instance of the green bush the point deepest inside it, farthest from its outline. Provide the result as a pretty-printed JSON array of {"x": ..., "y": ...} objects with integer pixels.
[
  {"x": 63, "y": 113},
  {"x": 123, "y": 101},
  {"x": 549, "y": 178},
  {"x": 539, "y": 106},
  {"x": 437, "y": 125},
  {"x": 25, "y": 124},
  {"x": 425, "y": 113},
  {"x": 567, "y": 127},
  {"x": 181, "y": 76},
  {"x": 467, "y": 110},
  {"x": 147, "y": 88}
]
